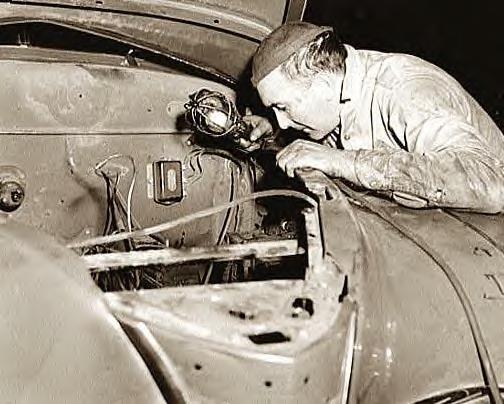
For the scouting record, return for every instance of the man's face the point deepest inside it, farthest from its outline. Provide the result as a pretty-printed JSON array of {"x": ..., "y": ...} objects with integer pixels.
[{"x": 311, "y": 105}]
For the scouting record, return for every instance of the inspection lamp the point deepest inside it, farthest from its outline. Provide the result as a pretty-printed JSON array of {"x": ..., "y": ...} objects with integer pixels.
[{"x": 213, "y": 114}]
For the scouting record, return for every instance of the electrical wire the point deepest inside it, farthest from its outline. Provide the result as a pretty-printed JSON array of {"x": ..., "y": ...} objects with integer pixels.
[
  {"x": 193, "y": 161},
  {"x": 195, "y": 156},
  {"x": 225, "y": 226},
  {"x": 108, "y": 218},
  {"x": 158, "y": 241},
  {"x": 197, "y": 171},
  {"x": 228, "y": 217},
  {"x": 484, "y": 357},
  {"x": 98, "y": 170},
  {"x": 188, "y": 218},
  {"x": 119, "y": 219},
  {"x": 124, "y": 205}
]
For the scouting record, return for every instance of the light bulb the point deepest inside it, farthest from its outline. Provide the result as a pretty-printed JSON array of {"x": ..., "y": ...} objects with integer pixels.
[{"x": 217, "y": 118}]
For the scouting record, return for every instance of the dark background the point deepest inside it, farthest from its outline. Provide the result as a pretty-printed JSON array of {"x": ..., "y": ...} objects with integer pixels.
[{"x": 464, "y": 38}]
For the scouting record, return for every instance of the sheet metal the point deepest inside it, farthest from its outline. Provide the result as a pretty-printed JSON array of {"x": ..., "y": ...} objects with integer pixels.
[
  {"x": 59, "y": 343},
  {"x": 219, "y": 37},
  {"x": 414, "y": 340},
  {"x": 59, "y": 120},
  {"x": 212, "y": 347}
]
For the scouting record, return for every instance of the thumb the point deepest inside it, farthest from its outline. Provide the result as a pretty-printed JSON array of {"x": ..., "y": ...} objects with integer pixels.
[{"x": 248, "y": 111}]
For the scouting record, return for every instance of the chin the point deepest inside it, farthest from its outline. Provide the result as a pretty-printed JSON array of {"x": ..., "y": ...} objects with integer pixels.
[{"x": 316, "y": 135}]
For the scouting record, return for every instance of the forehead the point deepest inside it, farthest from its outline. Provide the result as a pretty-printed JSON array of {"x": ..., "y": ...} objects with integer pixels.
[{"x": 277, "y": 88}]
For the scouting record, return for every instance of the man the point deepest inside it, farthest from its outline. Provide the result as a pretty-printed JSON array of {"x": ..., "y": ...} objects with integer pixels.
[{"x": 388, "y": 122}]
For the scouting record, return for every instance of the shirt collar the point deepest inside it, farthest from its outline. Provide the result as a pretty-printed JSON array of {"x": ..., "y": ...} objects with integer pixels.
[{"x": 355, "y": 72}]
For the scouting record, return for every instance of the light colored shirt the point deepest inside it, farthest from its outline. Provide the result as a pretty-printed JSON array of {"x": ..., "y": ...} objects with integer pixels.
[{"x": 416, "y": 132}]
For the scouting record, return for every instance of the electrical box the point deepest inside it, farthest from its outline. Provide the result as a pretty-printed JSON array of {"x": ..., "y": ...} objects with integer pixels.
[{"x": 167, "y": 181}]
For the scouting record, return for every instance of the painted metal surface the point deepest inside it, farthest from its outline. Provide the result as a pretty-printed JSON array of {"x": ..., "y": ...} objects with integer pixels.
[
  {"x": 264, "y": 250},
  {"x": 218, "y": 36},
  {"x": 379, "y": 304},
  {"x": 236, "y": 16},
  {"x": 58, "y": 341},
  {"x": 414, "y": 340},
  {"x": 59, "y": 120},
  {"x": 365, "y": 280},
  {"x": 219, "y": 354},
  {"x": 90, "y": 98}
]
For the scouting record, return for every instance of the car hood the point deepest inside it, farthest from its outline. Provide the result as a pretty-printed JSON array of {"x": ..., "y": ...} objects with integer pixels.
[{"x": 214, "y": 34}]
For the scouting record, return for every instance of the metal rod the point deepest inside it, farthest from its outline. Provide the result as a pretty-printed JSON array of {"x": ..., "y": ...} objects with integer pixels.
[{"x": 170, "y": 256}]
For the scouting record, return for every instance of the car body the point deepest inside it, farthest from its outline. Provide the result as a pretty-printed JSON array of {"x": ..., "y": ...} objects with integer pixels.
[{"x": 91, "y": 100}]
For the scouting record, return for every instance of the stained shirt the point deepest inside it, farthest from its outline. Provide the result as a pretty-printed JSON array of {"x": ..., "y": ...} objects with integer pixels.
[{"x": 410, "y": 128}]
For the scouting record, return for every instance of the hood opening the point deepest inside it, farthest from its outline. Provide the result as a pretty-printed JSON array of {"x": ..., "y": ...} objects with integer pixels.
[{"x": 49, "y": 36}]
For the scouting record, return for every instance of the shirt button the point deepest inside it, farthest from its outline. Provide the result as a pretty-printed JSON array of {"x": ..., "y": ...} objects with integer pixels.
[{"x": 346, "y": 136}]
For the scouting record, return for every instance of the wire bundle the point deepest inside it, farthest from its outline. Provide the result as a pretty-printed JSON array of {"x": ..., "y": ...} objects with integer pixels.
[{"x": 120, "y": 219}]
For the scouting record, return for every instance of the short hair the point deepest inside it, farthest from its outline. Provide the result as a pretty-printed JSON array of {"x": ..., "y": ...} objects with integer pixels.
[{"x": 325, "y": 53}]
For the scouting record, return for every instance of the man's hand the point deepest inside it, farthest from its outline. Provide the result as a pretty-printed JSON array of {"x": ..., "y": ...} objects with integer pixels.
[
  {"x": 261, "y": 127},
  {"x": 305, "y": 154}
]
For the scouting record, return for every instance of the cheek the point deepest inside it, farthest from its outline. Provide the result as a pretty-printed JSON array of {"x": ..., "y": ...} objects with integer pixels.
[
  {"x": 317, "y": 115},
  {"x": 300, "y": 109},
  {"x": 315, "y": 109},
  {"x": 327, "y": 117},
  {"x": 295, "y": 112}
]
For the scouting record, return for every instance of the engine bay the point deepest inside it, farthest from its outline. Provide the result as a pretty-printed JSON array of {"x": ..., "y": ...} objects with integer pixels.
[
  {"x": 223, "y": 280},
  {"x": 93, "y": 149},
  {"x": 98, "y": 153}
]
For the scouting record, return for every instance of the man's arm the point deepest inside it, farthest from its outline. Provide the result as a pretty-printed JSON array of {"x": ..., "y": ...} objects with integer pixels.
[
  {"x": 449, "y": 163},
  {"x": 457, "y": 177},
  {"x": 461, "y": 177}
]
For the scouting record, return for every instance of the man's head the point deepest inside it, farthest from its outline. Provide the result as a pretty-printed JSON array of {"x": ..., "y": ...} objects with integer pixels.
[{"x": 298, "y": 70}]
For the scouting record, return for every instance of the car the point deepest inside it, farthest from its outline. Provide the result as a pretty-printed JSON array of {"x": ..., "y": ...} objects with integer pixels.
[{"x": 144, "y": 261}]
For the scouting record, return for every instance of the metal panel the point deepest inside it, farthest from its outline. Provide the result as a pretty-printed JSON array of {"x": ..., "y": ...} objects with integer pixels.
[
  {"x": 254, "y": 342},
  {"x": 60, "y": 120},
  {"x": 241, "y": 17},
  {"x": 58, "y": 341},
  {"x": 89, "y": 98},
  {"x": 220, "y": 38},
  {"x": 414, "y": 339}
]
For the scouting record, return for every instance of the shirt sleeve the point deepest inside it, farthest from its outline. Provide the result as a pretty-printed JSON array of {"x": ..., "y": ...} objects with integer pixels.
[{"x": 444, "y": 161}]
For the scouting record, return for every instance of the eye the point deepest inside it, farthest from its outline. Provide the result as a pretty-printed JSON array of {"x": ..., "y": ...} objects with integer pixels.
[{"x": 280, "y": 107}]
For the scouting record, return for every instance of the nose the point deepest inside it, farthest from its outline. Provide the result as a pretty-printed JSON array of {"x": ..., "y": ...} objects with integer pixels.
[{"x": 283, "y": 121}]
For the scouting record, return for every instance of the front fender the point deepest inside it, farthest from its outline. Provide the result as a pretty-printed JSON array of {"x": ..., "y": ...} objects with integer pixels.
[{"x": 58, "y": 342}]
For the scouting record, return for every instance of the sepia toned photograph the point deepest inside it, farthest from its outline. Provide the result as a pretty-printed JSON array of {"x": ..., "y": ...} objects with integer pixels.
[{"x": 251, "y": 202}]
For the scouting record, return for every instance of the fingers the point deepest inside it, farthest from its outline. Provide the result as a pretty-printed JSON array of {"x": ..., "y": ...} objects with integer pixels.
[
  {"x": 260, "y": 126},
  {"x": 243, "y": 143},
  {"x": 247, "y": 145},
  {"x": 302, "y": 154},
  {"x": 293, "y": 157},
  {"x": 264, "y": 128},
  {"x": 292, "y": 148},
  {"x": 297, "y": 147}
]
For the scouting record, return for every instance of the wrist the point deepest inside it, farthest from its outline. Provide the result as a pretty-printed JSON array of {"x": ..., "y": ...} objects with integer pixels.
[{"x": 344, "y": 165}]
